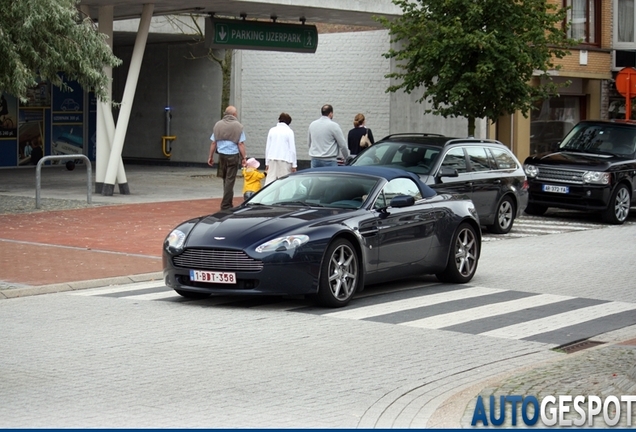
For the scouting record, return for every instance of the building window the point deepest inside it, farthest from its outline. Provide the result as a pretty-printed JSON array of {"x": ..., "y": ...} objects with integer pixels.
[
  {"x": 625, "y": 21},
  {"x": 584, "y": 17}
]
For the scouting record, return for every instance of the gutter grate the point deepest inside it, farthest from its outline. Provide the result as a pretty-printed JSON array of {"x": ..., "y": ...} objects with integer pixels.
[{"x": 577, "y": 346}]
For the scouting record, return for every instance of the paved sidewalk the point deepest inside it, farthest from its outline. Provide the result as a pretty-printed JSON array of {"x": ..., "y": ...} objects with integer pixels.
[{"x": 69, "y": 244}]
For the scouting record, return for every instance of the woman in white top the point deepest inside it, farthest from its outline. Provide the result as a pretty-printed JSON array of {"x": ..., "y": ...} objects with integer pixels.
[{"x": 280, "y": 152}]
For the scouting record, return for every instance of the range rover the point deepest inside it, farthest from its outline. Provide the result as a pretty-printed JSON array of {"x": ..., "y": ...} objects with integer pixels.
[{"x": 593, "y": 169}]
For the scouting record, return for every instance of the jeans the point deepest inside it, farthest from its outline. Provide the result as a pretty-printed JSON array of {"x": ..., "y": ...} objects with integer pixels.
[
  {"x": 229, "y": 169},
  {"x": 317, "y": 163}
]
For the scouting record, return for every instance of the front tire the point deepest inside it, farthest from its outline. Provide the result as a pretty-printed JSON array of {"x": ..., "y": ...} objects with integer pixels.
[
  {"x": 504, "y": 218},
  {"x": 618, "y": 208},
  {"x": 192, "y": 295},
  {"x": 339, "y": 274},
  {"x": 463, "y": 256},
  {"x": 536, "y": 209}
]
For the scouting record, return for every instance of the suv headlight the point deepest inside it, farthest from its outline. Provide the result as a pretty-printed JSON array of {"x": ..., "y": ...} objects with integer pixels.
[
  {"x": 596, "y": 177},
  {"x": 531, "y": 170}
]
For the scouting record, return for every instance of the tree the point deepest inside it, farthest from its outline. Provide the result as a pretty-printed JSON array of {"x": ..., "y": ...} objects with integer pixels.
[
  {"x": 221, "y": 56},
  {"x": 48, "y": 39},
  {"x": 476, "y": 58}
]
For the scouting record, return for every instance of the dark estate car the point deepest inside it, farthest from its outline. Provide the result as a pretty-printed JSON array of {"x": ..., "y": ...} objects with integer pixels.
[
  {"x": 326, "y": 232},
  {"x": 594, "y": 169},
  {"x": 484, "y": 170}
]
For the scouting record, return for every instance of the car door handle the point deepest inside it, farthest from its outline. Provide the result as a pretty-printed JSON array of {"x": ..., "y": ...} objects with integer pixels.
[{"x": 498, "y": 181}]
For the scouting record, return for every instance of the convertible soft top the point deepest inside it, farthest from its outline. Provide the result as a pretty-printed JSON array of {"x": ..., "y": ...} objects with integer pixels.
[{"x": 377, "y": 171}]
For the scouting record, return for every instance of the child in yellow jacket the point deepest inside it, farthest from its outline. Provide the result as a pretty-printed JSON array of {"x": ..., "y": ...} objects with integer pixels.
[{"x": 251, "y": 178}]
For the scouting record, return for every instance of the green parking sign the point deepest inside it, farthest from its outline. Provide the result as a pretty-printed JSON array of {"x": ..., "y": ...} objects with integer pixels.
[{"x": 259, "y": 35}]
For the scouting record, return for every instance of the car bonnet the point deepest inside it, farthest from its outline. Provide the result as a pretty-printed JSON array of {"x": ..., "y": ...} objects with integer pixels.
[{"x": 249, "y": 225}]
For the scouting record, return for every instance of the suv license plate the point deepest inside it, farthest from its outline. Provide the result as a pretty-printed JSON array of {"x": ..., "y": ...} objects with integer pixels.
[
  {"x": 556, "y": 189},
  {"x": 212, "y": 277}
]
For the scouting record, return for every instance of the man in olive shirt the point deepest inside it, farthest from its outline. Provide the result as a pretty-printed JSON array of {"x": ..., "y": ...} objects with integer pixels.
[
  {"x": 325, "y": 138},
  {"x": 228, "y": 139}
]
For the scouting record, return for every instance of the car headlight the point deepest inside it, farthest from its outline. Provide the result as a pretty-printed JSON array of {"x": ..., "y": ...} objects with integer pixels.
[
  {"x": 531, "y": 170},
  {"x": 282, "y": 244},
  {"x": 596, "y": 177},
  {"x": 175, "y": 241}
]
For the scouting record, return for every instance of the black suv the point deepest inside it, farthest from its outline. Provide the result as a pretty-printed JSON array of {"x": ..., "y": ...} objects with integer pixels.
[
  {"x": 484, "y": 170},
  {"x": 594, "y": 168}
]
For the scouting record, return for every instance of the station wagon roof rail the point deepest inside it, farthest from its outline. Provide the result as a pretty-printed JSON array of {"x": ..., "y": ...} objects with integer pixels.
[
  {"x": 411, "y": 134},
  {"x": 472, "y": 140}
]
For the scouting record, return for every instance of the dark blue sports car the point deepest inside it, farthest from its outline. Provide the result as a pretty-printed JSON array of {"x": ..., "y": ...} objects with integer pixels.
[{"x": 326, "y": 232}]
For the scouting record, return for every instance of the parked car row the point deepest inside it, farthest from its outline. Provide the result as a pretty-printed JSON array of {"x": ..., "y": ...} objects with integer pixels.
[{"x": 411, "y": 204}]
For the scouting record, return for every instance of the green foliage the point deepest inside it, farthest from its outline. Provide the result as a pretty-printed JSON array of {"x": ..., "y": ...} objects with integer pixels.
[
  {"x": 46, "y": 38},
  {"x": 476, "y": 58}
]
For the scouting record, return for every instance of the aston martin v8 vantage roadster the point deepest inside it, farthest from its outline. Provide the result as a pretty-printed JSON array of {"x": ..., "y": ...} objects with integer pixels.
[{"x": 326, "y": 233}]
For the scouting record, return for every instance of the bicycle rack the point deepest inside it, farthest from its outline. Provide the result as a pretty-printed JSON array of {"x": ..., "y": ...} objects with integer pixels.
[{"x": 38, "y": 174}]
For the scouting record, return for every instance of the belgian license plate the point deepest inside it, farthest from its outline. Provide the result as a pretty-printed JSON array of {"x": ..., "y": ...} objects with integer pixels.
[
  {"x": 212, "y": 277},
  {"x": 556, "y": 189}
]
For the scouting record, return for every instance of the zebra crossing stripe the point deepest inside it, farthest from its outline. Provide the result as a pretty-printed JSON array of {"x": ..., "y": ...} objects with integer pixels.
[
  {"x": 555, "y": 322},
  {"x": 154, "y": 296},
  {"x": 411, "y": 303},
  {"x": 487, "y": 311},
  {"x": 119, "y": 288}
]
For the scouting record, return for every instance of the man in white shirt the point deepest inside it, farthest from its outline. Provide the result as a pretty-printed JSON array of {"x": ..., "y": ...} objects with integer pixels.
[
  {"x": 325, "y": 138},
  {"x": 280, "y": 152}
]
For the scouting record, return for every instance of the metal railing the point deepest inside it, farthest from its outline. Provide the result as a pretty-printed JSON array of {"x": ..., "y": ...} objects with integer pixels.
[{"x": 38, "y": 174}]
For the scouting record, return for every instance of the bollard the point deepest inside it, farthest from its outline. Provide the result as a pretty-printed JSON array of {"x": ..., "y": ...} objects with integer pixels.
[{"x": 38, "y": 175}]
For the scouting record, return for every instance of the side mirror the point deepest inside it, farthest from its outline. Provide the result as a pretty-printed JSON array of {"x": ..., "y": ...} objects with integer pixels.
[
  {"x": 402, "y": 201},
  {"x": 447, "y": 172}
]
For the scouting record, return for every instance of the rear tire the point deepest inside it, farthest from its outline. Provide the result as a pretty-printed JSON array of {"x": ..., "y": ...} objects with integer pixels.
[
  {"x": 504, "y": 217},
  {"x": 339, "y": 274},
  {"x": 192, "y": 295},
  {"x": 463, "y": 256},
  {"x": 618, "y": 208},
  {"x": 536, "y": 209}
]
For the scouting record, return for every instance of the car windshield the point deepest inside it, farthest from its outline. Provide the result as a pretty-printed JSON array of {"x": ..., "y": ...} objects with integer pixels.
[
  {"x": 416, "y": 158},
  {"x": 613, "y": 139},
  {"x": 317, "y": 190}
]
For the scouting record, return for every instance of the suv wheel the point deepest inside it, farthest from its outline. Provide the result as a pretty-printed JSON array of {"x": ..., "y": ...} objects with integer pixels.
[
  {"x": 535, "y": 209},
  {"x": 504, "y": 217},
  {"x": 618, "y": 208}
]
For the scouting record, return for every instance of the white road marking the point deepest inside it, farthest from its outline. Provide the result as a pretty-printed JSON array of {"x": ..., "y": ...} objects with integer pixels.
[
  {"x": 119, "y": 288},
  {"x": 411, "y": 303},
  {"x": 555, "y": 322},
  {"x": 154, "y": 296},
  {"x": 486, "y": 311}
]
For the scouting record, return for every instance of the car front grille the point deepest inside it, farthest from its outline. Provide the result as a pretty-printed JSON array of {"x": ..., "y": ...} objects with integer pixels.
[
  {"x": 560, "y": 175},
  {"x": 216, "y": 259}
]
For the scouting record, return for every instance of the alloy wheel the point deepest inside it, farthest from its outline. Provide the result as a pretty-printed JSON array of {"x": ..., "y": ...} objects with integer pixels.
[{"x": 466, "y": 252}]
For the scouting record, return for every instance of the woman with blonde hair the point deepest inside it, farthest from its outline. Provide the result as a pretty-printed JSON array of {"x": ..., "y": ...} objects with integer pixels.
[{"x": 360, "y": 136}]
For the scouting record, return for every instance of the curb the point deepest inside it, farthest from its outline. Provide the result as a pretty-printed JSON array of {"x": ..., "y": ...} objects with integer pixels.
[
  {"x": 452, "y": 412},
  {"x": 78, "y": 285}
]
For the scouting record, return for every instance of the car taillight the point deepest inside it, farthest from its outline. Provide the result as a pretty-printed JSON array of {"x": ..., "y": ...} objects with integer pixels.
[{"x": 525, "y": 185}]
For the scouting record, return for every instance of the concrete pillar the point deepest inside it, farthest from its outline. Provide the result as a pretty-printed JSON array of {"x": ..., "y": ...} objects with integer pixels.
[
  {"x": 126, "y": 103},
  {"x": 103, "y": 144}
]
